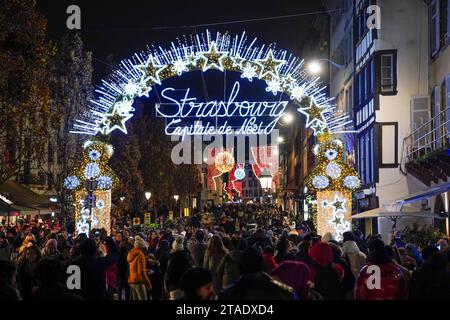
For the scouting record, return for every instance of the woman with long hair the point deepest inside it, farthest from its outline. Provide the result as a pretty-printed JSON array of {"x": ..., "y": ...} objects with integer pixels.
[
  {"x": 28, "y": 261},
  {"x": 215, "y": 251}
]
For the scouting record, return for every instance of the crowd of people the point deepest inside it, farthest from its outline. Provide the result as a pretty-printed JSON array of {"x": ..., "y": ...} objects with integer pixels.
[{"x": 249, "y": 253}]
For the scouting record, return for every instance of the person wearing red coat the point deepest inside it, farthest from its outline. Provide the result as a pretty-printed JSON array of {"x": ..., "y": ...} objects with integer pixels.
[{"x": 391, "y": 284}]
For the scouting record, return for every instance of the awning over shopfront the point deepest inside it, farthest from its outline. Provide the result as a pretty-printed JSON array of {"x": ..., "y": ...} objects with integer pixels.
[
  {"x": 380, "y": 213},
  {"x": 23, "y": 201},
  {"x": 425, "y": 194}
]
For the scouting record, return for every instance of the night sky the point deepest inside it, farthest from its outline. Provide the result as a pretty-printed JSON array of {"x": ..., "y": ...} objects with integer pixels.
[{"x": 124, "y": 27}]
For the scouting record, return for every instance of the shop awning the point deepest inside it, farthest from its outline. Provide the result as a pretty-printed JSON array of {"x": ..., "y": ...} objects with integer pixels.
[
  {"x": 425, "y": 194},
  {"x": 16, "y": 210},
  {"x": 25, "y": 200},
  {"x": 380, "y": 213}
]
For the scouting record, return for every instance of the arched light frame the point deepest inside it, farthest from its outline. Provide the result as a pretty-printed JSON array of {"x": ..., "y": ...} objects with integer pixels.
[{"x": 282, "y": 72}]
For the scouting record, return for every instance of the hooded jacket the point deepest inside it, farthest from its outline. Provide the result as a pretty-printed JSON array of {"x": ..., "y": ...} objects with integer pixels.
[
  {"x": 356, "y": 258},
  {"x": 138, "y": 273}
]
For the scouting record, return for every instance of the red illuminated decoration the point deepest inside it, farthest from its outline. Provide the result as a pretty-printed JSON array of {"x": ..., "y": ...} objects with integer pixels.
[{"x": 266, "y": 157}]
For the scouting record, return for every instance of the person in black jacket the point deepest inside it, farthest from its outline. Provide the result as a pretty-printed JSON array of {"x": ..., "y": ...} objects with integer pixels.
[
  {"x": 48, "y": 275},
  {"x": 432, "y": 280},
  {"x": 254, "y": 284},
  {"x": 93, "y": 270},
  {"x": 179, "y": 262}
]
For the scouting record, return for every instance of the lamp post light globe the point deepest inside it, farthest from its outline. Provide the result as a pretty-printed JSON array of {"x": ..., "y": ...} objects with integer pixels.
[
  {"x": 148, "y": 195},
  {"x": 315, "y": 67},
  {"x": 176, "y": 197},
  {"x": 266, "y": 179},
  {"x": 288, "y": 118}
]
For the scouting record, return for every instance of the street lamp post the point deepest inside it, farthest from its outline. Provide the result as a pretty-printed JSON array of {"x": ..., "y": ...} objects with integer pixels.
[
  {"x": 315, "y": 67},
  {"x": 148, "y": 195},
  {"x": 266, "y": 180},
  {"x": 176, "y": 197},
  {"x": 91, "y": 186}
]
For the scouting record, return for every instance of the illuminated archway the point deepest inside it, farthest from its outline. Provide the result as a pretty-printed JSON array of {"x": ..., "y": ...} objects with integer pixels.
[{"x": 282, "y": 73}]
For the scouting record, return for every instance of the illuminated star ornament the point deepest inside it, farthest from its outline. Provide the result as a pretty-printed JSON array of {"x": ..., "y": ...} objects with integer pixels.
[
  {"x": 338, "y": 205},
  {"x": 315, "y": 115},
  {"x": 151, "y": 71},
  {"x": 269, "y": 65},
  {"x": 115, "y": 120},
  {"x": 213, "y": 58}
]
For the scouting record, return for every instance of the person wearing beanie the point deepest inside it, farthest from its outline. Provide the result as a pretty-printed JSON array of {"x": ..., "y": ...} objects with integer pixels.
[
  {"x": 295, "y": 274},
  {"x": 326, "y": 276},
  {"x": 392, "y": 283},
  {"x": 138, "y": 279},
  {"x": 179, "y": 262},
  {"x": 196, "y": 284}
]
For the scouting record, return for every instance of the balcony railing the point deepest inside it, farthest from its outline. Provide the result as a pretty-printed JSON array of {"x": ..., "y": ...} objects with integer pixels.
[{"x": 427, "y": 138}]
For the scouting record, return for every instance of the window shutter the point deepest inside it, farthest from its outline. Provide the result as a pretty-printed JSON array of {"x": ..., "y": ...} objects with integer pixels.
[{"x": 436, "y": 117}]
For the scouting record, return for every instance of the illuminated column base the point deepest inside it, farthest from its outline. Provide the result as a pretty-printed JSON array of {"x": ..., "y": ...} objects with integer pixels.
[
  {"x": 101, "y": 213},
  {"x": 334, "y": 211}
]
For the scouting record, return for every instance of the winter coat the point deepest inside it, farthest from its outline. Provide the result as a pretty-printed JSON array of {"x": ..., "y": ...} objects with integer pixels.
[
  {"x": 257, "y": 286},
  {"x": 138, "y": 273},
  {"x": 228, "y": 270},
  {"x": 392, "y": 282},
  {"x": 356, "y": 258},
  {"x": 93, "y": 275},
  {"x": 179, "y": 262},
  {"x": 212, "y": 262},
  {"x": 432, "y": 281}
]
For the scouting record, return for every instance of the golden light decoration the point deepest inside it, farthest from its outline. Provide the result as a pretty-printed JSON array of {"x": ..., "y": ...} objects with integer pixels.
[
  {"x": 330, "y": 152},
  {"x": 224, "y": 161},
  {"x": 334, "y": 212},
  {"x": 101, "y": 213}
]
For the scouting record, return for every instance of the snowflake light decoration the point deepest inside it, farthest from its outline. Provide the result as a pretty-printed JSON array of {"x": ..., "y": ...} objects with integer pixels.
[
  {"x": 320, "y": 182},
  {"x": 71, "y": 182}
]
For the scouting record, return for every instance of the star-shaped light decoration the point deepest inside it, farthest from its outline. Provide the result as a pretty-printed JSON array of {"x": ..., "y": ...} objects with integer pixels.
[
  {"x": 145, "y": 86},
  {"x": 115, "y": 120},
  {"x": 238, "y": 61},
  {"x": 269, "y": 65},
  {"x": 336, "y": 221},
  {"x": 151, "y": 70},
  {"x": 313, "y": 113},
  {"x": 213, "y": 58},
  {"x": 338, "y": 205}
]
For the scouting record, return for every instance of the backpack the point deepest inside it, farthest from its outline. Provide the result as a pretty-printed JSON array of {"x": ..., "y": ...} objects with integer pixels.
[{"x": 328, "y": 284}]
